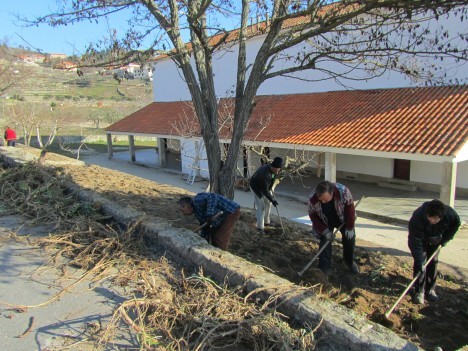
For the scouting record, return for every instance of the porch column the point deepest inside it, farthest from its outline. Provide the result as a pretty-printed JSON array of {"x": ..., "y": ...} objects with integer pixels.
[
  {"x": 449, "y": 183},
  {"x": 162, "y": 152},
  {"x": 320, "y": 161},
  {"x": 131, "y": 143},
  {"x": 330, "y": 166},
  {"x": 110, "y": 151}
]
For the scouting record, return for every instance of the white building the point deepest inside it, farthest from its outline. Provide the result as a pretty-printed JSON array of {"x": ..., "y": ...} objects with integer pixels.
[{"x": 423, "y": 126}]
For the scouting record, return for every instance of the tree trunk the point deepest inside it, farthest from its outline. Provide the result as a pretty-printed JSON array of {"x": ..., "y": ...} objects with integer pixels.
[{"x": 226, "y": 179}]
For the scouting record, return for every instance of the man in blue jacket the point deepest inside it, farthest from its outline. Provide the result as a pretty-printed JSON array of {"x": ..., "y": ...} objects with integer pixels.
[
  {"x": 431, "y": 225},
  {"x": 205, "y": 206}
]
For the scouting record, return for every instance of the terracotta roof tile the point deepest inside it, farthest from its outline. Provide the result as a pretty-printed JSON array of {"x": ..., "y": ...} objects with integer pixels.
[{"x": 430, "y": 120}]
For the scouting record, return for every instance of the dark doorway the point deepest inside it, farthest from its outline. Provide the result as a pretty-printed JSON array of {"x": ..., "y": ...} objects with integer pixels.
[{"x": 401, "y": 169}]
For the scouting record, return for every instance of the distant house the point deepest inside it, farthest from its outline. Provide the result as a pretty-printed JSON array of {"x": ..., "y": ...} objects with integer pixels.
[
  {"x": 54, "y": 56},
  {"x": 66, "y": 65},
  {"x": 38, "y": 57},
  {"x": 135, "y": 71}
]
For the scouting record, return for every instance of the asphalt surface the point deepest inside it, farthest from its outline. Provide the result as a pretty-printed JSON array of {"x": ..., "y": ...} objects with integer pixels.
[{"x": 34, "y": 313}]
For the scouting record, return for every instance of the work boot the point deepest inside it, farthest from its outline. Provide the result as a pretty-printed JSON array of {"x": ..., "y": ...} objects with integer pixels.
[
  {"x": 260, "y": 231},
  {"x": 418, "y": 298},
  {"x": 432, "y": 296},
  {"x": 353, "y": 268}
]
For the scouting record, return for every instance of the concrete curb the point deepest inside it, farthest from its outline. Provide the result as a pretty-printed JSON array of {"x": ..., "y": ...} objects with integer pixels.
[{"x": 340, "y": 328}]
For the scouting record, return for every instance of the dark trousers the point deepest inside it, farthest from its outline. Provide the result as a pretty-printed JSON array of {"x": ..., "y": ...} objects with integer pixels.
[
  {"x": 325, "y": 258},
  {"x": 220, "y": 236},
  {"x": 11, "y": 142},
  {"x": 426, "y": 280}
]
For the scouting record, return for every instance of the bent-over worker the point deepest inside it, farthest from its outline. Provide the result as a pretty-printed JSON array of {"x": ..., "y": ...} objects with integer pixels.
[
  {"x": 331, "y": 206},
  {"x": 205, "y": 206}
]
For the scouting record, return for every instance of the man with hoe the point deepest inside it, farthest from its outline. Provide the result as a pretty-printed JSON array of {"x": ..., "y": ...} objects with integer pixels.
[
  {"x": 431, "y": 226},
  {"x": 261, "y": 183},
  {"x": 331, "y": 206},
  {"x": 217, "y": 214}
]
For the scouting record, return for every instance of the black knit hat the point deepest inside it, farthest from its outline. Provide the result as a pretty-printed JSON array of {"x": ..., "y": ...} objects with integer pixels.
[{"x": 277, "y": 162}]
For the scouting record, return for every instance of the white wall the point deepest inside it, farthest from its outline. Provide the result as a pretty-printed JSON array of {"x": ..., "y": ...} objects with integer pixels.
[
  {"x": 462, "y": 175},
  {"x": 426, "y": 172},
  {"x": 225, "y": 62},
  {"x": 375, "y": 166},
  {"x": 429, "y": 172},
  {"x": 422, "y": 172}
]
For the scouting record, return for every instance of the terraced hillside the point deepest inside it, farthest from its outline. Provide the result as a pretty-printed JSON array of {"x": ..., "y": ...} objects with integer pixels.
[
  {"x": 52, "y": 84},
  {"x": 77, "y": 101}
]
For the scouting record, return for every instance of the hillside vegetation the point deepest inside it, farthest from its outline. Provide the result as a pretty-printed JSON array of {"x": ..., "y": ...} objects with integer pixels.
[{"x": 91, "y": 101}]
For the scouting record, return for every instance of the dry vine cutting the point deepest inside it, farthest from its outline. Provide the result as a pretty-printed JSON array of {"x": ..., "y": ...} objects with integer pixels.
[{"x": 167, "y": 309}]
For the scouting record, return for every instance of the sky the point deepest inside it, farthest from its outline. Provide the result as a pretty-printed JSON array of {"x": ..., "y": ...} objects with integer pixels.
[{"x": 64, "y": 39}]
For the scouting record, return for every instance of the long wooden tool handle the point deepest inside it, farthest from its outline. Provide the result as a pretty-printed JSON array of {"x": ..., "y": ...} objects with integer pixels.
[
  {"x": 389, "y": 312},
  {"x": 207, "y": 222},
  {"x": 326, "y": 244},
  {"x": 285, "y": 236}
]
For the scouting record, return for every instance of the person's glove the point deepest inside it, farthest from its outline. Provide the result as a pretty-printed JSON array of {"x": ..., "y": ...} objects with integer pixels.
[
  {"x": 329, "y": 235},
  {"x": 349, "y": 233},
  {"x": 275, "y": 203}
]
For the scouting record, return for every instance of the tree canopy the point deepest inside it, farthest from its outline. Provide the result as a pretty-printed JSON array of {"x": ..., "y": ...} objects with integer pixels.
[{"x": 341, "y": 40}]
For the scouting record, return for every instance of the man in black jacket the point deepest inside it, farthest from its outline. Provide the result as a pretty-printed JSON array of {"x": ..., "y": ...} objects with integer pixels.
[
  {"x": 261, "y": 184},
  {"x": 431, "y": 225}
]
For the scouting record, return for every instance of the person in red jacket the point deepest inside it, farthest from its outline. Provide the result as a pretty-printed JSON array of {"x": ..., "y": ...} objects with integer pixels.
[
  {"x": 10, "y": 136},
  {"x": 331, "y": 206}
]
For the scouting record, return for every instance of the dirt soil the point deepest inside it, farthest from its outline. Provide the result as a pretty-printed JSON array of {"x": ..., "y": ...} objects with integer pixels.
[{"x": 382, "y": 279}]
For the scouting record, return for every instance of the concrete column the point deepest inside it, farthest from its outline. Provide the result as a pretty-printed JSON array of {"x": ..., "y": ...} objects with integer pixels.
[
  {"x": 330, "y": 166},
  {"x": 131, "y": 143},
  {"x": 320, "y": 162},
  {"x": 449, "y": 183},
  {"x": 162, "y": 153},
  {"x": 110, "y": 151}
]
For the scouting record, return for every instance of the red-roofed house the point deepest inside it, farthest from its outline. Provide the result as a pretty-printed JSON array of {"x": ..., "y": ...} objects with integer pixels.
[
  {"x": 414, "y": 136},
  {"x": 389, "y": 133}
]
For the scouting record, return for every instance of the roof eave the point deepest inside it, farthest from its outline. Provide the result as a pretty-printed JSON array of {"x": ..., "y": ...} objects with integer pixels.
[{"x": 360, "y": 152}]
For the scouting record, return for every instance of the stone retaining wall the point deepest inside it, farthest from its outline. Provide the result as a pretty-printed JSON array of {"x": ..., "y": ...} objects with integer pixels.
[{"x": 340, "y": 328}]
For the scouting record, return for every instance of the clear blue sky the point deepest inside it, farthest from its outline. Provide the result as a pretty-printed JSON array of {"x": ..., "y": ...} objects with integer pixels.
[{"x": 64, "y": 39}]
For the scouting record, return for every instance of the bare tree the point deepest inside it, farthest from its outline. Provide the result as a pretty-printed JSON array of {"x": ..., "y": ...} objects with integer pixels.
[
  {"x": 364, "y": 38},
  {"x": 35, "y": 119}
]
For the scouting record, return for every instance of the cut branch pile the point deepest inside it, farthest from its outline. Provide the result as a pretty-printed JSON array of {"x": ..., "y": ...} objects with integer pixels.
[{"x": 168, "y": 309}]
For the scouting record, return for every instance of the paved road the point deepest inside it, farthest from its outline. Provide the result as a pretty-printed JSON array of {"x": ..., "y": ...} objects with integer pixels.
[
  {"x": 26, "y": 279},
  {"x": 375, "y": 234}
]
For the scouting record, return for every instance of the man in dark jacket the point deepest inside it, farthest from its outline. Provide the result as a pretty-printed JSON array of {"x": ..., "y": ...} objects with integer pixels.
[
  {"x": 205, "y": 206},
  {"x": 431, "y": 225},
  {"x": 331, "y": 206},
  {"x": 261, "y": 183}
]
